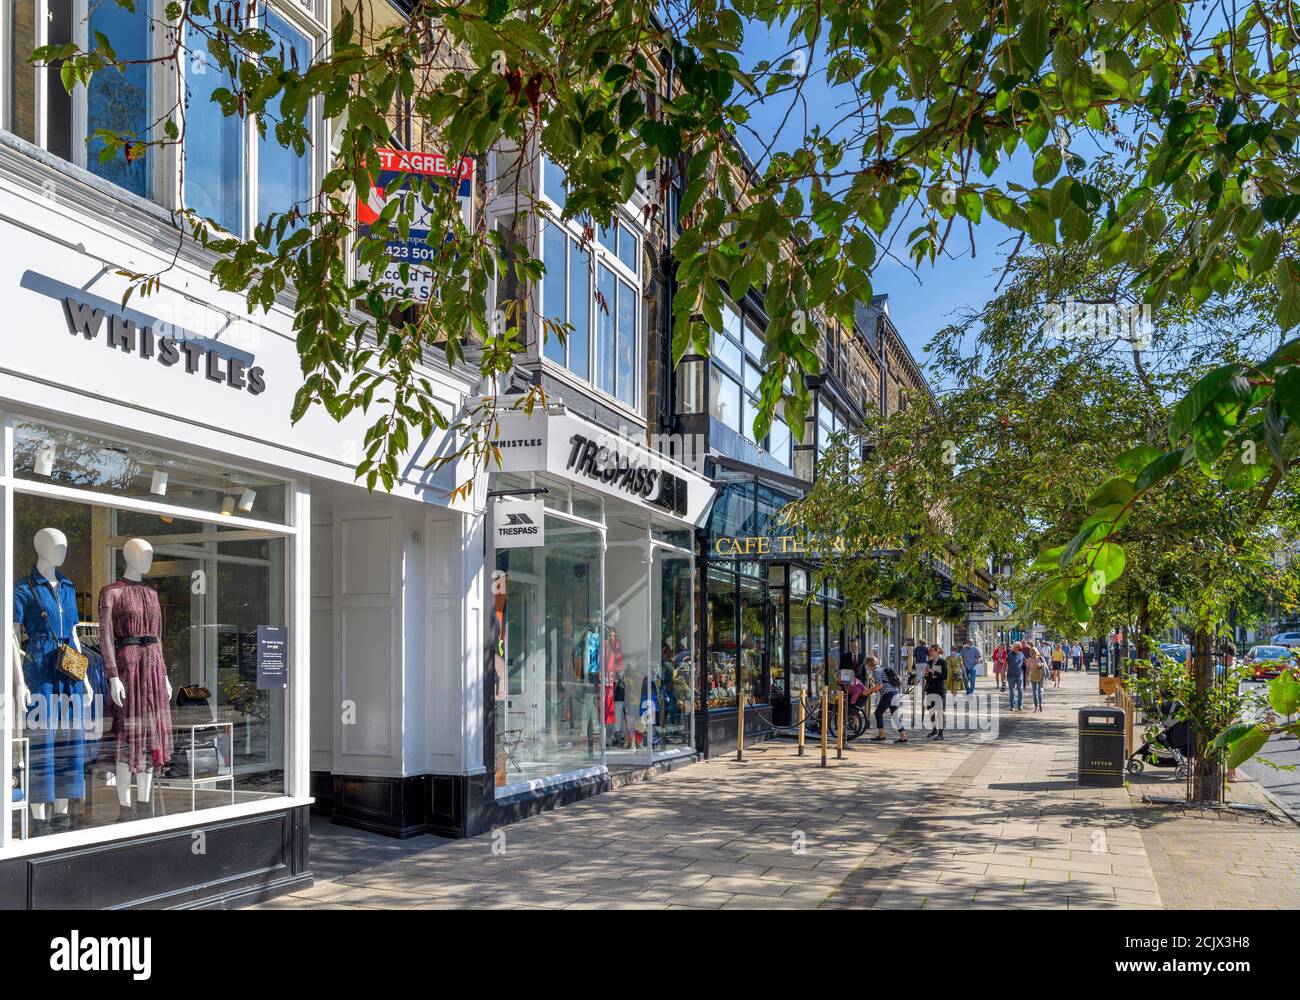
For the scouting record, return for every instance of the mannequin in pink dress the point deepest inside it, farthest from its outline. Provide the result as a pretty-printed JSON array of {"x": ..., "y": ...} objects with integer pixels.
[{"x": 130, "y": 623}]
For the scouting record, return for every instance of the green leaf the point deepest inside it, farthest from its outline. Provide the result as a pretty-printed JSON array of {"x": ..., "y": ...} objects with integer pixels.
[
  {"x": 1244, "y": 748},
  {"x": 1162, "y": 468},
  {"x": 1266, "y": 251},
  {"x": 1198, "y": 400},
  {"x": 1047, "y": 164},
  {"x": 1284, "y": 693},
  {"x": 1136, "y": 459},
  {"x": 1034, "y": 36},
  {"x": 1117, "y": 490}
]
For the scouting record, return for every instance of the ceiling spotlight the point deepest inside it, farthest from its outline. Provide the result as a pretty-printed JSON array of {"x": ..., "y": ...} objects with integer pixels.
[
  {"x": 45, "y": 459},
  {"x": 165, "y": 518},
  {"x": 228, "y": 506},
  {"x": 158, "y": 483},
  {"x": 246, "y": 499}
]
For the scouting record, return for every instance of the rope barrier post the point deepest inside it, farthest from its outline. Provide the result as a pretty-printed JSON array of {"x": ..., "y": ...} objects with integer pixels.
[
  {"x": 802, "y": 715},
  {"x": 839, "y": 735},
  {"x": 823, "y": 727},
  {"x": 740, "y": 729}
]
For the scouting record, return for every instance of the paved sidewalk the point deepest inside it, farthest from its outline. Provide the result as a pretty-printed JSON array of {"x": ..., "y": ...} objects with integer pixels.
[{"x": 969, "y": 822}]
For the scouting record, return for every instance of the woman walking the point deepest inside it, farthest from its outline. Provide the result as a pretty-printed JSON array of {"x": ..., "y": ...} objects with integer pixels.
[
  {"x": 1058, "y": 662},
  {"x": 1037, "y": 670},
  {"x": 885, "y": 686},
  {"x": 1000, "y": 666}
]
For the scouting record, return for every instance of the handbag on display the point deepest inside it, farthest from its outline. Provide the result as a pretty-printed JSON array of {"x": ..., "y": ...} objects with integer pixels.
[
  {"x": 71, "y": 661},
  {"x": 193, "y": 758},
  {"x": 193, "y": 694}
]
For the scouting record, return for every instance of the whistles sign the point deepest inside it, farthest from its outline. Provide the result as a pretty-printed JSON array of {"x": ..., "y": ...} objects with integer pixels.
[{"x": 122, "y": 334}]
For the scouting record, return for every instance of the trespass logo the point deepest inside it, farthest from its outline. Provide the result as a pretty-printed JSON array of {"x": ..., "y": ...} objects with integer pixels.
[{"x": 102, "y": 954}]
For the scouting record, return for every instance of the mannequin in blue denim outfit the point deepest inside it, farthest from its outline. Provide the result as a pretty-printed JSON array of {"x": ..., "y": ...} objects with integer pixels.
[{"x": 54, "y": 701}]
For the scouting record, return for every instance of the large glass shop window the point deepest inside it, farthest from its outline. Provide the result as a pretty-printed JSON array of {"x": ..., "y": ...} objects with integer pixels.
[
  {"x": 720, "y": 684},
  {"x": 180, "y": 702},
  {"x": 552, "y": 704}
]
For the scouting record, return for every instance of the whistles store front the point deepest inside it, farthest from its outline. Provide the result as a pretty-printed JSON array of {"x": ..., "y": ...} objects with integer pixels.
[
  {"x": 209, "y": 629},
  {"x": 593, "y": 609}
]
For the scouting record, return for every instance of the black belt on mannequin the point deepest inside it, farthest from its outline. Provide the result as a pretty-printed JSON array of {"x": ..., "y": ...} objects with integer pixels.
[{"x": 136, "y": 640}]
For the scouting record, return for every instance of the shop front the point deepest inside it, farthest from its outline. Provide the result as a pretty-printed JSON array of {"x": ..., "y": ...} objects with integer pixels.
[
  {"x": 591, "y": 624},
  {"x": 771, "y": 633},
  {"x": 206, "y": 623}
]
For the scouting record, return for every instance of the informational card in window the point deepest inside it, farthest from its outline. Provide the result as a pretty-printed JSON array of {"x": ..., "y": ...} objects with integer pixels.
[
  {"x": 272, "y": 657},
  {"x": 399, "y": 170}
]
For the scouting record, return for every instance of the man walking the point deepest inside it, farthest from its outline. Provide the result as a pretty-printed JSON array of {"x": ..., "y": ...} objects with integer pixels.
[
  {"x": 971, "y": 658},
  {"x": 1016, "y": 677},
  {"x": 1076, "y": 654}
]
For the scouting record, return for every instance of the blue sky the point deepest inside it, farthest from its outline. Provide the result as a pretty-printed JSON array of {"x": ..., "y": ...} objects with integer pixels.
[{"x": 921, "y": 300}]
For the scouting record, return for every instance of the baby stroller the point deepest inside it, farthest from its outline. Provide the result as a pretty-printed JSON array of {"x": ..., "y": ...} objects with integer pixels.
[{"x": 1171, "y": 748}]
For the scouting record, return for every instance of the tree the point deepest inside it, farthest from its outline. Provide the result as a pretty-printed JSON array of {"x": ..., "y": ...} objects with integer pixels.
[{"x": 1200, "y": 101}]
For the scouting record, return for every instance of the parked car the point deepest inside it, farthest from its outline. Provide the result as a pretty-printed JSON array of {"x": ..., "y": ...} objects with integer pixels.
[
  {"x": 1176, "y": 651},
  {"x": 1266, "y": 662},
  {"x": 1287, "y": 639}
]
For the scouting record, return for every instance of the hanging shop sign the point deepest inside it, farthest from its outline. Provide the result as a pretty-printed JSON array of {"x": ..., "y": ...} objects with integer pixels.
[
  {"x": 564, "y": 445},
  {"x": 398, "y": 170},
  {"x": 518, "y": 524},
  {"x": 209, "y": 358}
]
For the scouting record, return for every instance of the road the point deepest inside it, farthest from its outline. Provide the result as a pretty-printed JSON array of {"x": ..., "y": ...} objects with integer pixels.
[{"x": 1283, "y": 785}]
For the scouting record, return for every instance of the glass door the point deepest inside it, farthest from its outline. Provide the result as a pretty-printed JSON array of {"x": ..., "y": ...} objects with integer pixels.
[
  {"x": 629, "y": 651},
  {"x": 753, "y": 640}
]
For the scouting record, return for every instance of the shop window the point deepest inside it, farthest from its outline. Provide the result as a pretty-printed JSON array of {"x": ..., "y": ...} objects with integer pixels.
[
  {"x": 552, "y": 707},
  {"x": 723, "y": 645},
  {"x": 753, "y": 639},
  {"x": 182, "y": 706},
  {"x": 49, "y": 454}
]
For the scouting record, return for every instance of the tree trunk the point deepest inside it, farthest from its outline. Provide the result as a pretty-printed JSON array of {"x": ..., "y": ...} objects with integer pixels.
[
  {"x": 1207, "y": 776},
  {"x": 1143, "y": 625}
]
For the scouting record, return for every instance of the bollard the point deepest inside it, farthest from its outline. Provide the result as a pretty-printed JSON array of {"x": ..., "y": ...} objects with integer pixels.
[
  {"x": 740, "y": 729},
  {"x": 802, "y": 716},
  {"x": 825, "y": 723},
  {"x": 839, "y": 735}
]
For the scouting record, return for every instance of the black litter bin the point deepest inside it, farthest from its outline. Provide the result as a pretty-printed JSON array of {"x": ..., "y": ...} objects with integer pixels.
[{"x": 1101, "y": 746}]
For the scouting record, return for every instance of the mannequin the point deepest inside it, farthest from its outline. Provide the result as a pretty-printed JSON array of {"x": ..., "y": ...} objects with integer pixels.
[
  {"x": 131, "y": 629},
  {"x": 45, "y": 606}
]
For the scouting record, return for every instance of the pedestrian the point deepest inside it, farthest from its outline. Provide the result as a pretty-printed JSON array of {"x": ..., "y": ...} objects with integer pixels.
[
  {"x": 1016, "y": 677},
  {"x": 936, "y": 680},
  {"x": 971, "y": 657},
  {"x": 856, "y": 662},
  {"x": 885, "y": 686},
  {"x": 920, "y": 654},
  {"x": 1058, "y": 661},
  {"x": 1000, "y": 666},
  {"x": 1037, "y": 672},
  {"x": 1076, "y": 654}
]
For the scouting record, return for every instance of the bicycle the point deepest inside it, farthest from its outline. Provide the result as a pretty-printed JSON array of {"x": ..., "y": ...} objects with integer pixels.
[{"x": 855, "y": 719}]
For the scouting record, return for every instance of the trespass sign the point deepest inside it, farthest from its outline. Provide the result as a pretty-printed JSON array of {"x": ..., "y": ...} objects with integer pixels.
[
  {"x": 518, "y": 524},
  {"x": 400, "y": 173}
]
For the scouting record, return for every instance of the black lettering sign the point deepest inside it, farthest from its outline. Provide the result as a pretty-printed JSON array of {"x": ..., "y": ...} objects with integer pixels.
[
  {"x": 125, "y": 335},
  {"x": 657, "y": 487}
]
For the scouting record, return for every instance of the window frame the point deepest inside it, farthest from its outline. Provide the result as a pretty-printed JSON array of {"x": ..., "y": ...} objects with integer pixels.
[
  {"x": 599, "y": 256},
  {"x": 296, "y": 612},
  {"x": 166, "y": 187}
]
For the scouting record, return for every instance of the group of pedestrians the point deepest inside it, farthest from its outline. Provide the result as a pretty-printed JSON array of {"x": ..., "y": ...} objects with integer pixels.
[
  {"x": 937, "y": 679},
  {"x": 1022, "y": 663}
]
